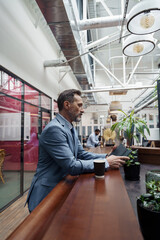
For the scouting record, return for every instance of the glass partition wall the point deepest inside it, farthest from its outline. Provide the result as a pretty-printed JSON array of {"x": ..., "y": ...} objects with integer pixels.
[{"x": 24, "y": 112}]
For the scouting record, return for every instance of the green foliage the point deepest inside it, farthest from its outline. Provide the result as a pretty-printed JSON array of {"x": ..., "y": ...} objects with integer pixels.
[
  {"x": 133, "y": 158},
  {"x": 153, "y": 186},
  {"x": 127, "y": 123},
  {"x": 151, "y": 200}
]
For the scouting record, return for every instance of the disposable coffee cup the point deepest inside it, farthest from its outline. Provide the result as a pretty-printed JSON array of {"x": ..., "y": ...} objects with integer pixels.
[{"x": 99, "y": 168}]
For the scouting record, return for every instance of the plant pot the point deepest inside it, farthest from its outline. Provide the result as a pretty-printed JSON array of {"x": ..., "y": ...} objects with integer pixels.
[
  {"x": 149, "y": 222},
  {"x": 132, "y": 172}
]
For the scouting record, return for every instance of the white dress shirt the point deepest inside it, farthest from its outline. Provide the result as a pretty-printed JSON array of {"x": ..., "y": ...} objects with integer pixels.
[{"x": 92, "y": 141}]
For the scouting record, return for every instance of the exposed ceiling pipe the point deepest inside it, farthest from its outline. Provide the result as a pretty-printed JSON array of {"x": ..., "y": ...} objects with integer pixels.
[
  {"x": 124, "y": 18},
  {"x": 85, "y": 53},
  {"x": 145, "y": 104},
  {"x": 145, "y": 73},
  {"x": 143, "y": 91},
  {"x": 54, "y": 63},
  {"x": 117, "y": 89},
  {"x": 110, "y": 21}
]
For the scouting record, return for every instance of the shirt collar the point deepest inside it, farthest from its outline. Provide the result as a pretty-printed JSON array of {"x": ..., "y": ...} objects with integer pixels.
[{"x": 66, "y": 121}]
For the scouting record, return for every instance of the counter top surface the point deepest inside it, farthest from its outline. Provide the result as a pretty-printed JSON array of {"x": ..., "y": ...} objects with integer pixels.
[
  {"x": 96, "y": 209},
  {"x": 83, "y": 208}
]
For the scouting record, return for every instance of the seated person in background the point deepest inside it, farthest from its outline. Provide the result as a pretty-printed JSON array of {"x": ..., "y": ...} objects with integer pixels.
[
  {"x": 60, "y": 151},
  {"x": 93, "y": 140}
]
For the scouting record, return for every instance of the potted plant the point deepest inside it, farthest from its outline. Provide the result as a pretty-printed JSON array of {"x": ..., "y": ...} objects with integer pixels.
[
  {"x": 132, "y": 166},
  {"x": 152, "y": 178},
  {"x": 128, "y": 124},
  {"x": 148, "y": 210},
  {"x": 153, "y": 186}
]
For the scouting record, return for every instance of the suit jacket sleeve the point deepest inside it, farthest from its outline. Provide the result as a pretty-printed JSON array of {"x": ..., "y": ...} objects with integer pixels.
[{"x": 59, "y": 145}]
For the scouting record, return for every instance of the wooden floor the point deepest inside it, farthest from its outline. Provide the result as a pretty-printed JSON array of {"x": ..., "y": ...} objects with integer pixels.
[{"x": 12, "y": 217}]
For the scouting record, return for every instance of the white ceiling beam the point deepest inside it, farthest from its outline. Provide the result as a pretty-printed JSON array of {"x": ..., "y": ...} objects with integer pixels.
[
  {"x": 84, "y": 18},
  {"x": 140, "y": 58},
  {"x": 145, "y": 104},
  {"x": 106, "y": 69},
  {"x": 106, "y": 7},
  {"x": 107, "y": 10},
  {"x": 64, "y": 76},
  {"x": 95, "y": 43},
  {"x": 117, "y": 89}
]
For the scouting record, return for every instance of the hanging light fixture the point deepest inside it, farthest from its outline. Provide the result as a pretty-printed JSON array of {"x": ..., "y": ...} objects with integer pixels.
[
  {"x": 144, "y": 18},
  {"x": 115, "y": 106},
  {"x": 135, "y": 45}
]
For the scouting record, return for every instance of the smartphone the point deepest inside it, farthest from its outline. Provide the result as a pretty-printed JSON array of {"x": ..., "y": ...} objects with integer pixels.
[{"x": 121, "y": 150}]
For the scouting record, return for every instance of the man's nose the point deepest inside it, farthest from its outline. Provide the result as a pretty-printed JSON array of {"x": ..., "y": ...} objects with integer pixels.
[{"x": 82, "y": 110}]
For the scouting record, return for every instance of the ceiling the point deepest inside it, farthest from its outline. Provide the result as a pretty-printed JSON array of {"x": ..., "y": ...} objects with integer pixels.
[{"x": 91, "y": 35}]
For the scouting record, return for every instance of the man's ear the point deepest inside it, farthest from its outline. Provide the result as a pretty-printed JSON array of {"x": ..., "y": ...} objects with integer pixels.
[{"x": 66, "y": 105}]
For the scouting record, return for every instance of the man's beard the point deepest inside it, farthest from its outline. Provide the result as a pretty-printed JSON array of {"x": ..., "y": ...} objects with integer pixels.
[{"x": 75, "y": 118}]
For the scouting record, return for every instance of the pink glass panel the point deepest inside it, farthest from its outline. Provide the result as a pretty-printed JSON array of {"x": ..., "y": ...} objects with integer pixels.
[
  {"x": 30, "y": 143},
  {"x": 45, "y": 102},
  {"x": 55, "y": 107},
  {"x": 45, "y": 119},
  {"x": 10, "y": 142},
  {"x": 31, "y": 95},
  {"x": 10, "y": 85}
]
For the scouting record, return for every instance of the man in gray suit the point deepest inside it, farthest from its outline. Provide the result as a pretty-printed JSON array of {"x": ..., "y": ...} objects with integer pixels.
[{"x": 60, "y": 151}]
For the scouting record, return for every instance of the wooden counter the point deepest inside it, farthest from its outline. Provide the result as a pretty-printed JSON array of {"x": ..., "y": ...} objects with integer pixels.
[
  {"x": 149, "y": 155},
  {"x": 94, "y": 209}
]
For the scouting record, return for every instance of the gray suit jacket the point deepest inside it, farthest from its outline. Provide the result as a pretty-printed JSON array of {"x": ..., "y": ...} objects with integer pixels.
[{"x": 59, "y": 155}]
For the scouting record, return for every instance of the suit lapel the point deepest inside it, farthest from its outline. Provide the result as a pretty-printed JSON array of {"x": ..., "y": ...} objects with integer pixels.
[{"x": 73, "y": 141}]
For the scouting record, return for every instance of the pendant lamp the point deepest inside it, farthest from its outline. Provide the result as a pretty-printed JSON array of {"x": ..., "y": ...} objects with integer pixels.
[
  {"x": 114, "y": 106},
  {"x": 144, "y": 18},
  {"x": 135, "y": 46}
]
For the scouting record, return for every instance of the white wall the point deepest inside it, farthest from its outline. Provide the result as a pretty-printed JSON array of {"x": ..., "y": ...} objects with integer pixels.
[{"x": 24, "y": 47}]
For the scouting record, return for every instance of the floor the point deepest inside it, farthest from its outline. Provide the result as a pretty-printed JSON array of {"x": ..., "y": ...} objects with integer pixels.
[
  {"x": 16, "y": 213},
  {"x": 11, "y": 188},
  {"x": 12, "y": 217}
]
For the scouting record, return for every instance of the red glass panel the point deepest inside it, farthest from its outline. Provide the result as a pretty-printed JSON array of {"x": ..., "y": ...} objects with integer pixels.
[
  {"x": 45, "y": 102},
  {"x": 30, "y": 143},
  {"x": 45, "y": 119},
  {"x": 10, "y": 85},
  {"x": 9, "y": 104},
  {"x": 55, "y": 107},
  {"x": 10, "y": 142},
  {"x": 31, "y": 95}
]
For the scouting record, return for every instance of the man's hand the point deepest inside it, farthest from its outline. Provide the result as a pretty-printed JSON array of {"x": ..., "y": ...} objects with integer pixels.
[{"x": 116, "y": 161}]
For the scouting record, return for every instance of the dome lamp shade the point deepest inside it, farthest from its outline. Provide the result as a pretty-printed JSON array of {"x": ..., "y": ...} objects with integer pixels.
[
  {"x": 144, "y": 17},
  {"x": 135, "y": 46}
]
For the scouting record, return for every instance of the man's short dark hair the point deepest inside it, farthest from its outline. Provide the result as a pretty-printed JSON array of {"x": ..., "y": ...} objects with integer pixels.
[
  {"x": 67, "y": 95},
  {"x": 97, "y": 130}
]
